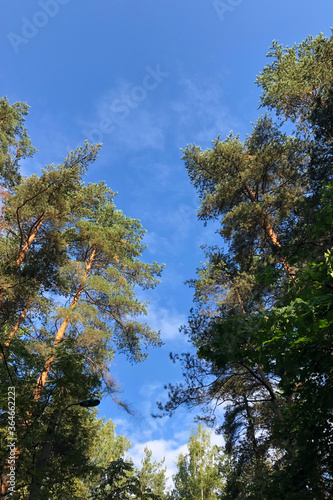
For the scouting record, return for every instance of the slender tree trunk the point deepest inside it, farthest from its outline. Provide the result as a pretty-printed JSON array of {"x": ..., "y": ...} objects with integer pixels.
[
  {"x": 6, "y": 344},
  {"x": 277, "y": 409},
  {"x": 272, "y": 236},
  {"x": 28, "y": 242},
  {"x": 270, "y": 389},
  {"x": 270, "y": 233},
  {"x": 24, "y": 249},
  {"x": 251, "y": 426},
  {"x": 5, "y": 478},
  {"x": 14, "y": 329},
  {"x": 41, "y": 465},
  {"x": 240, "y": 300},
  {"x": 61, "y": 331}
]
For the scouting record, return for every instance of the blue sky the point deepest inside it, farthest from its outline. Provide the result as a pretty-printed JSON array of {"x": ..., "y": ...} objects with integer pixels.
[{"x": 147, "y": 77}]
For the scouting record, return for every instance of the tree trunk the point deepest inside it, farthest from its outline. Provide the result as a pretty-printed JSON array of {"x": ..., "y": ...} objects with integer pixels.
[
  {"x": 251, "y": 426},
  {"x": 4, "y": 479},
  {"x": 27, "y": 244},
  {"x": 41, "y": 465},
  {"x": 270, "y": 233},
  {"x": 14, "y": 330},
  {"x": 61, "y": 331},
  {"x": 24, "y": 249}
]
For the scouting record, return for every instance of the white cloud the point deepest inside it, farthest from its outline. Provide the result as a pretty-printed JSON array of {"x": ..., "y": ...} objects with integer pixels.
[
  {"x": 170, "y": 449},
  {"x": 198, "y": 115},
  {"x": 161, "y": 448},
  {"x": 202, "y": 113},
  {"x": 165, "y": 437},
  {"x": 125, "y": 118},
  {"x": 156, "y": 243},
  {"x": 167, "y": 320}
]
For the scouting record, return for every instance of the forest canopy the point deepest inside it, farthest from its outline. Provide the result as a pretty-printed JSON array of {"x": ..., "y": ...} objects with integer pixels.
[
  {"x": 71, "y": 267},
  {"x": 70, "y": 270},
  {"x": 263, "y": 316}
]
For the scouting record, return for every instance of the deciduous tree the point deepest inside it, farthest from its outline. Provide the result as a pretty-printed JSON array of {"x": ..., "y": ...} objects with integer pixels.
[{"x": 198, "y": 476}]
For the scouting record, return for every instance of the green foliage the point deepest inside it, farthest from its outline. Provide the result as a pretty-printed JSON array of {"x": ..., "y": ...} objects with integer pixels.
[
  {"x": 198, "y": 474},
  {"x": 253, "y": 188},
  {"x": 263, "y": 323},
  {"x": 152, "y": 476},
  {"x": 297, "y": 86},
  {"x": 120, "y": 480},
  {"x": 298, "y": 77},
  {"x": 15, "y": 144},
  {"x": 70, "y": 269},
  {"x": 293, "y": 344},
  {"x": 34, "y": 222}
]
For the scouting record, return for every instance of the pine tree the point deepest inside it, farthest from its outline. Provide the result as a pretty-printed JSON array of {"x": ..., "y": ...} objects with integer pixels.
[
  {"x": 264, "y": 302},
  {"x": 34, "y": 217},
  {"x": 104, "y": 247},
  {"x": 15, "y": 143},
  {"x": 69, "y": 271}
]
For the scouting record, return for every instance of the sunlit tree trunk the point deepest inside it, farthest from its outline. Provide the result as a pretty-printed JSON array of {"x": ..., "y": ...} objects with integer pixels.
[
  {"x": 62, "y": 329},
  {"x": 14, "y": 330}
]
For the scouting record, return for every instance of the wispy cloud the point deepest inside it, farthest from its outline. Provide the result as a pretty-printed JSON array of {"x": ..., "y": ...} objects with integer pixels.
[
  {"x": 150, "y": 432},
  {"x": 128, "y": 114},
  {"x": 167, "y": 320},
  {"x": 124, "y": 117},
  {"x": 202, "y": 112}
]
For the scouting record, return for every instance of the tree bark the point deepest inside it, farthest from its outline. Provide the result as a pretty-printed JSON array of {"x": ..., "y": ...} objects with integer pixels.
[
  {"x": 28, "y": 242},
  {"x": 24, "y": 247},
  {"x": 41, "y": 465},
  {"x": 14, "y": 330},
  {"x": 270, "y": 233},
  {"x": 61, "y": 331},
  {"x": 251, "y": 426}
]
